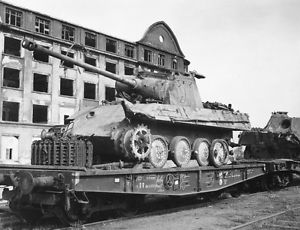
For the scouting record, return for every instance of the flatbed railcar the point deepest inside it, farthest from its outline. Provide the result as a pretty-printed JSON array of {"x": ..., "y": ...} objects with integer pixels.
[{"x": 75, "y": 193}]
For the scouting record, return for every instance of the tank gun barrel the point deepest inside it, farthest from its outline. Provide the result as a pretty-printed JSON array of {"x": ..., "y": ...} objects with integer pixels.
[{"x": 32, "y": 46}]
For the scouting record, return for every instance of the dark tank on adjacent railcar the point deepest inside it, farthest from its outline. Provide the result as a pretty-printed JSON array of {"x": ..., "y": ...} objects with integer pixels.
[
  {"x": 279, "y": 139},
  {"x": 157, "y": 117}
]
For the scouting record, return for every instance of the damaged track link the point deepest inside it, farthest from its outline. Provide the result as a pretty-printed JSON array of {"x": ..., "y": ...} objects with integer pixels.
[{"x": 289, "y": 219}]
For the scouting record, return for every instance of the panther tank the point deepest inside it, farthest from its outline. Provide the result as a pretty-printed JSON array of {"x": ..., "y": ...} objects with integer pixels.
[
  {"x": 156, "y": 117},
  {"x": 279, "y": 139}
]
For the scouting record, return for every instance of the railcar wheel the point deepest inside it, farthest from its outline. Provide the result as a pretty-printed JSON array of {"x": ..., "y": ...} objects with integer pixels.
[
  {"x": 218, "y": 153},
  {"x": 158, "y": 155},
  {"x": 201, "y": 148},
  {"x": 180, "y": 150}
]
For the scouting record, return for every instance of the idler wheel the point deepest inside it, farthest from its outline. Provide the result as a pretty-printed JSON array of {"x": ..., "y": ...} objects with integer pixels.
[
  {"x": 180, "y": 150},
  {"x": 158, "y": 155},
  {"x": 201, "y": 147},
  {"x": 218, "y": 152}
]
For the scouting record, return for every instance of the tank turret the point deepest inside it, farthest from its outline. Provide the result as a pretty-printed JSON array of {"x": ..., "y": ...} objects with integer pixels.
[
  {"x": 163, "y": 88},
  {"x": 162, "y": 120}
]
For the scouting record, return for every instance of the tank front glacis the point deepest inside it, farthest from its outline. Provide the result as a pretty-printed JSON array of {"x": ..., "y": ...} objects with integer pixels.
[{"x": 160, "y": 117}]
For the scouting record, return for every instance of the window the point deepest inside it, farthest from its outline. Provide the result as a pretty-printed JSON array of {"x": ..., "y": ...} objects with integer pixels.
[
  {"x": 40, "y": 56},
  {"x": 66, "y": 63},
  {"x": 11, "y": 77},
  {"x": 40, "y": 114},
  {"x": 129, "y": 70},
  {"x": 66, "y": 87},
  {"x": 186, "y": 68},
  {"x": 12, "y": 46},
  {"x": 10, "y": 111},
  {"x": 89, "y": 90},
  {"x": 129, "y": 51},
  {"x": 67, "y": 33},
  {"x": 13, "y": 17},
  {"x": 174, "y": 64},
  {"x": 110, "y": 67},
  {"x": 64, "y": 113},
  {"x": 42, "y": 25},
  {"x": 161, "y": 59},
  {"x": 40, "y": 83},
  {"x": 148, "y": 55},
  {"x": 90, "y": 39},
  {"x": 9, "y": 147},
  {"x": 110, "y": 94},
  {"x": 111, "y": 45},
  {"x": 90, "y": 61}
]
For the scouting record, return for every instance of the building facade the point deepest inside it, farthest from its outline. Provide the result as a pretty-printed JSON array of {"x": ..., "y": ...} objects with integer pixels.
[{"x": 38, "y": 91}]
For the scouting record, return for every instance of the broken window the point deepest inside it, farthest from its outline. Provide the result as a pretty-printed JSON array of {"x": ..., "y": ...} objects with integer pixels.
[
  {"x": 40, "y": 83},
  {"x": 174, "y": 64},
  {"x": 41, "y": 56},
  {"x": 68, "y": 33},
  {"x": 110, "y": 67},
  {"x": 90, "y": 39},
  {"x": 90, "y": 61},
  {"x": 12, "y": 46},
  {"x": 161, "y": 59},
  {"x": 66, "y": 63},
  {"x": 129, "y": 70},
  {"x": 148, "y": 55},
  {"x": 11, "y": 77},
  {"x": 42, "y": 25},
  {"x": 10, "y": 111},
  {"x": 129, "y": 51},
  {"x": 89, "y": 90},
  {"x": 66, "y": 87},
  {"x": 111, "y": 45},
  {"x": 13, "y": 17},
  {"x": 40, "y": 114},
  {"x": 110, "y": 93}
]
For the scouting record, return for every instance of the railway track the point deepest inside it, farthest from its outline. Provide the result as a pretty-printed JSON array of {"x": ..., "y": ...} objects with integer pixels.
[{"x": 285, "y": 220}]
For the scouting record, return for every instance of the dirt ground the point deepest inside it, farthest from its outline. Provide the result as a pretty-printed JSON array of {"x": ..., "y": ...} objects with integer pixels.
[{"x": 221, "y": 214}]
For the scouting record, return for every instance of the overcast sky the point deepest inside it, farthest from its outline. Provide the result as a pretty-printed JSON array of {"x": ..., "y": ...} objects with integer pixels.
[{"x": 249, "y": 50}]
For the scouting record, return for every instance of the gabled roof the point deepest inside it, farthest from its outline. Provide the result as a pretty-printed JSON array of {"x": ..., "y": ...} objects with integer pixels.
[{"x": 159, "y": 35}]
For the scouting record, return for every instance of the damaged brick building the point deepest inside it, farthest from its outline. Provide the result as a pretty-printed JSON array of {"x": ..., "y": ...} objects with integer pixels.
[{"x": 38, "y": 91}]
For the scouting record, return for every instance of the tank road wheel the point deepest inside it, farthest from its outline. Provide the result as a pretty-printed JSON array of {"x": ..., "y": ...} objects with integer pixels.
[
  {"x": 180, "y": 150},
  {"x": 218, "y": 152},
  {"x": 158, "y": 155},
  {"x": 201, "y": 148}
]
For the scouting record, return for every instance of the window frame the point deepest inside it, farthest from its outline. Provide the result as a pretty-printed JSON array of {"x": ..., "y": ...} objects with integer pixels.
[
  {"x": 38, "y": 28},
  {"x": 91, "y": 34},
  {"x": 95, "y": 92},
  {"x": 65, "y": 33},
  {"x": 18, "y": 113},
  {"x": 148, "y": 55},
  {"x": 33, "y": 105},
  {"x": 73, "y": 88},
  {"x": 129, "y": 49},
  {"x": 47, "y": 78},
  {"x": 115, "y": 45},
  {"x": 161, "y": 59},
  {"x": 8, "y": 21},
  {"x": 19, "y": 78}
]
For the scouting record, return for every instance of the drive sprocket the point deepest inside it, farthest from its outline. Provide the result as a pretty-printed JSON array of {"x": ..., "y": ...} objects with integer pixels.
[{"x": 140, "y": 142}]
